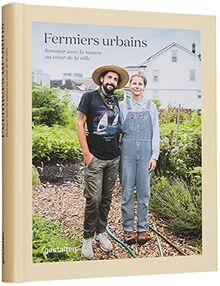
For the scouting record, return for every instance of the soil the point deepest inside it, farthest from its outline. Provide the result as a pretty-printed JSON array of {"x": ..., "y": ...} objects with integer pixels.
[
  {"x": 60, "y": 196},
  {"x": 60, "y": 172}
]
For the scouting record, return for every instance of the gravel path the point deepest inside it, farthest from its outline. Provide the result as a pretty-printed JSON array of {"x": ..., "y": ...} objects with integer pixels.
[{"x": 65, "y": 203}]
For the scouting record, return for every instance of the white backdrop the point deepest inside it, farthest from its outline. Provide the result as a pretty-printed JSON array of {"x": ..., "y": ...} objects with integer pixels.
[{"x": 200, "y": 7}]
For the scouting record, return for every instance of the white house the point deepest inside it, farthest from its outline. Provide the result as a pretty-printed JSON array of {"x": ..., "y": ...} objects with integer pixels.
[{"x": 173, "y": 75}]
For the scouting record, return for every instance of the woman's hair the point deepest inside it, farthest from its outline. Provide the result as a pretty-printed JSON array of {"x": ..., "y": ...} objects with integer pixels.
[{"x": 141, "y": 75}]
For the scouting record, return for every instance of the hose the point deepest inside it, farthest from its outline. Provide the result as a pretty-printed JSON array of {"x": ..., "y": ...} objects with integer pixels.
[
  {"x": 167, "y": 240},
  {"x": 153, "y": 228},
  {"x": 158, "y": 241},
  {"x": 121, "y": 242}
]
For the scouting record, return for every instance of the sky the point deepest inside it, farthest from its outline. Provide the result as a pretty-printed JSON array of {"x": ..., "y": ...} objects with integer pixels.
[{"x": 154, "y": 39}]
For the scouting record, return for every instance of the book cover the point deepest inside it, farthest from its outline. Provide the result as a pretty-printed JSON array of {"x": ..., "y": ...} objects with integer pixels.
[{"x": 49, "y": 58}]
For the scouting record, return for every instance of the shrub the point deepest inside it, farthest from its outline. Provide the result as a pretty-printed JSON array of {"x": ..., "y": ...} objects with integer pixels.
[
  {"x": 170, "y": 114},
  {"x": 120, "y": 94},
  {"x": 48, "y": 108},
  {"x": 179, "y": 204},
  {"x": 157, "y": 102},
  {"x": 54, "y": 143},
  {"x": 50, "y": 245},
  {"x": 180, "y": 155}
]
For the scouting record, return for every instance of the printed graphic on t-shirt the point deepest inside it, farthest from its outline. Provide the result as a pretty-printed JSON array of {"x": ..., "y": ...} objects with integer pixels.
[{"x": 106, "y": 122}]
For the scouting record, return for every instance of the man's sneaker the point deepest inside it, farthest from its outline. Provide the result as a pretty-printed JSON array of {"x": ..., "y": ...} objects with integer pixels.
[
  {"x": 104, "y": 242},
  {"x": 87, "y": 250}
]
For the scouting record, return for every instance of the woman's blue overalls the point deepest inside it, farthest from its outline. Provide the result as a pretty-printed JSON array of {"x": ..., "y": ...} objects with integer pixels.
[{"x": 136, "y": 152}]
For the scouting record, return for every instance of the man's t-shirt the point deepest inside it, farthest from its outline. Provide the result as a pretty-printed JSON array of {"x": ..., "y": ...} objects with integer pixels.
[{"x": 103, "y": 125}]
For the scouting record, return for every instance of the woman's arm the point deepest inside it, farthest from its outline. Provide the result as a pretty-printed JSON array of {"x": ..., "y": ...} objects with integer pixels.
[{"x": 156, "y": 132}]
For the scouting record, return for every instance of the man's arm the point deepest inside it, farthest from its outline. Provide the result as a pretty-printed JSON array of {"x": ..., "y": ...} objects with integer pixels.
[{"x": 80, "y": 124}]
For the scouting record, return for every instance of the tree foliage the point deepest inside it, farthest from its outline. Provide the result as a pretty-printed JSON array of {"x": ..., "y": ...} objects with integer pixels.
[{"x": 48, "y": 108}]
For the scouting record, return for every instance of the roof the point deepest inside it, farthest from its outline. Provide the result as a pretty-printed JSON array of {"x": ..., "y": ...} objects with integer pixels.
[
  {"x": 144, "y": 64},
  {"x": 78, "y": 84}
]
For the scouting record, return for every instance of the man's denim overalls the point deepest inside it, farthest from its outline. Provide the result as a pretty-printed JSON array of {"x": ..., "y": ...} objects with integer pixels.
[{"x": 136, "y": 152}]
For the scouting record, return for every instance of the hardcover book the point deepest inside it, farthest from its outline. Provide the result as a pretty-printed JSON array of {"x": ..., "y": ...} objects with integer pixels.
[{"x": 55, "y": 60}]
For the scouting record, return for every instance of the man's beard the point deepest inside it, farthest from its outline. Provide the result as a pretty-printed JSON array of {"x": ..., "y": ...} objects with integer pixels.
[{"x": 108, "y": 91}]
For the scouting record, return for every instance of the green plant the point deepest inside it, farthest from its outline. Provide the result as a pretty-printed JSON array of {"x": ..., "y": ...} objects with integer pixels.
[
  {"x": 49, "y": 108},
  {"x": 35, "y": 178},
  {"x": 179, "y": 204},
  {"x": 170, "y": 115},
  {"x": 50, "y": 244},
  {"x": 54, "y": 143},
  {"x": 181, "y": 146},
  {"x": 120, "y": 94},
  {"x": 157, "y": 102},
  {"x": 196, "y": 176}
]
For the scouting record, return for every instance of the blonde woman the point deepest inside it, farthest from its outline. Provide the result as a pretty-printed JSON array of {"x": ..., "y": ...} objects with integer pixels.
[{"x": 139, "y": 155}]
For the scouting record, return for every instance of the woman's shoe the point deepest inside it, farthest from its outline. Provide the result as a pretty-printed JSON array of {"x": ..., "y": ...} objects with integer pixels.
[
  {"x": 129, "y": 237},
  {"x": 143, "y": 237}
]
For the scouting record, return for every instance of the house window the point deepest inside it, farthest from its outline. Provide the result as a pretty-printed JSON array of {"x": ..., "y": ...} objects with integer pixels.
[
  {"x": 174, "y": 56},
  {"x": 156, "y": 78},
  {"x": 155, "y": 75},
  {"x": 155, "y": 94},
  {"x": 192, "y": 75}
]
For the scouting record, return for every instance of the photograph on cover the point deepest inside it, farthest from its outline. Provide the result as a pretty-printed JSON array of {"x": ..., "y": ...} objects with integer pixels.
[{"x": 116, "y": 142}]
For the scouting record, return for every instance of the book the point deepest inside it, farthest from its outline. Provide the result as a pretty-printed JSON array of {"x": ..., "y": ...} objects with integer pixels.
[{"x": 49, "y": 54}]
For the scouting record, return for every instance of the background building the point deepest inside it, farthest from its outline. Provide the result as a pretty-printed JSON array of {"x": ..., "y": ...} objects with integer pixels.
[
  {"x": 39, "y": 78},
  {"x": 173, "y": 75}
]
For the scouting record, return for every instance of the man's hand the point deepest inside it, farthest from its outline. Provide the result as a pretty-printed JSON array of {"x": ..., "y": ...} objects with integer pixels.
[
  {"x": 86, "y": 132},
  {"x": 152, "y": 165},
  {"x": 87, "y": 158}
]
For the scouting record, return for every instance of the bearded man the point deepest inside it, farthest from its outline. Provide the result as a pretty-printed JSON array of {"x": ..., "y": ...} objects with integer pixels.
[{"x": 99, "y": 110}]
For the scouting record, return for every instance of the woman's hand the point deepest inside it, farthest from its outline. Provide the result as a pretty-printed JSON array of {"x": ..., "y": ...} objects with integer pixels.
[{"x": 152, "y": 165}]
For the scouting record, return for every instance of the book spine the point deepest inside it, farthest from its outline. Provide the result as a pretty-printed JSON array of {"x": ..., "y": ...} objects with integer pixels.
[{"x": 12, "y": 249}]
